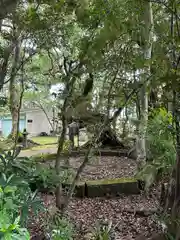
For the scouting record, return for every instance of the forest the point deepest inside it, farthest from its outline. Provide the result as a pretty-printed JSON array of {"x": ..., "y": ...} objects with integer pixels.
[{"x": 111, "y": 67}]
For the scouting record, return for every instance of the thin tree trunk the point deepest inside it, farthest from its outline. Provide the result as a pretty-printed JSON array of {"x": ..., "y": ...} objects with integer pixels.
[
  {"x": 59, "y": 201},
  {"x": 19, "y": 108},
  {"x": 147, "y": 36},
  {"x": 142, "y": 126},
  {"x": 69, "y": 90},
  {"x": 53, "y": 110},
  {"x": 125, "y": 121}
]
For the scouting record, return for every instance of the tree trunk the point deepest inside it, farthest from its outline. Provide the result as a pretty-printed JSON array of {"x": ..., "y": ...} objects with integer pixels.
[
  {"x": 15, "y": 117},
  {"x": 174, "y": 184},
  {"x": 141, "y": 138},
  {"x": 175, "y": 211},
  {"x": 176, "y": 205},
  {"x": 59, "y": 195},
  {"x": 54, "y": 116},
  {"x": 124, "y": 125},
  {"x": 153, "y": 99},
  {"x": 147, "y": 35},
  {"x": 14, "y": 94},
  {"x": 69, "y": 90},
  {"x": 4, "y": 64}
]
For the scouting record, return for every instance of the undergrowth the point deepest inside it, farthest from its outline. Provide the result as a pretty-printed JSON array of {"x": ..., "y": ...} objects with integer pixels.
[{"x": 160, "y": 146}]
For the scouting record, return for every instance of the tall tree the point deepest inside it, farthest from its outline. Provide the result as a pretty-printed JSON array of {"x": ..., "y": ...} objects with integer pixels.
[{"x": 146, "y": 40}]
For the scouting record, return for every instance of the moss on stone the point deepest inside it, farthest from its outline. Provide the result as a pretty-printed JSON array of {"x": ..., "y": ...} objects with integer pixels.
[
  {"x": 80, "y": 183},
  {"x": 111, "y": 181},
  {"x": 112, "y": 187}
]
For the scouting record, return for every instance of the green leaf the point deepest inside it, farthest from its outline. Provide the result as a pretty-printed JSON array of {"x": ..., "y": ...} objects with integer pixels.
[
  {"x": 10, "y": 189},
  {"x": 23, "y": 235},
  {"x": 7, "y": 236},
  {"x": 5, "y": 220},
  {"x": 17, "y": 220},
  {"x": 9, "y": 203},
  {"x": 10, "y": 178},
  {"x": 24, "y": 214},
  {"x": 4, "y": 177},
  {"x": 12, "y": 227}
]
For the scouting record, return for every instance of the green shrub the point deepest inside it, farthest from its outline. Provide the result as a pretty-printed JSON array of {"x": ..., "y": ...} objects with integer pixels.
[
  {"x": 11, "y": 229},
  {"x": 170, "y": 225},
  {"x": 62, "y": 231},
  {"x": 10, "y": 164},
  {"x": 160, "y": 138},
  {"x": 15, "y": 201},
  {"x": 56, "y": 226},
  {"x": 16, "y": 197},
  {"x": 20, "y": 137},
  {"x": 103, "y": 231},
  {"x": 46, "y": 177},
  {"x": 160, "y": 146}
]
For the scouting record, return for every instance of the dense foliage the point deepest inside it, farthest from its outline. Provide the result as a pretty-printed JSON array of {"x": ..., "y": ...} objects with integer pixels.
[{"x": 101, "y": 62}]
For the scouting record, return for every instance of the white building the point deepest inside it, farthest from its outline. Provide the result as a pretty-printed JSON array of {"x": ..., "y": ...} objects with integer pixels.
[{"x": 34, "y": 120}]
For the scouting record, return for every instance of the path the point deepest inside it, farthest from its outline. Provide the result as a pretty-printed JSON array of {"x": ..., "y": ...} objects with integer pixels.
[
  {"x": 31, "y": 152},
  {"x": 42, "y": 150}
]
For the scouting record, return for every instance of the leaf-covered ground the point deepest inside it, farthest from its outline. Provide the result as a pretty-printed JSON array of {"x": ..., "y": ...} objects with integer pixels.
[
  {"x": 86, "y": 213},
  {"x": 122, "y": 211},
  {"x": 106, "y": 167},
  {"x": 102, "y": 167}
]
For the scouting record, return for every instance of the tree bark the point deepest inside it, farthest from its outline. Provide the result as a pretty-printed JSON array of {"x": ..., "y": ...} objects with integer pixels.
[
  {"x": 176, "y": 204},
  {"x": 147, "y": 36},
  {"x": 59, "y": 202},
  {"x": 175, "y": 211},
  {"x": 69, "y": 91},
  {"x": 14, "y": 93},
  {"x": 124, "y": 127},
  {"x": 4, "y": 65}
]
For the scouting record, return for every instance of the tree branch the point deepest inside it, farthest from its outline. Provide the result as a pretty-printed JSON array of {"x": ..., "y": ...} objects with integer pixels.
[{"x": 165, "y": 5}]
